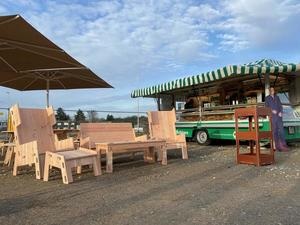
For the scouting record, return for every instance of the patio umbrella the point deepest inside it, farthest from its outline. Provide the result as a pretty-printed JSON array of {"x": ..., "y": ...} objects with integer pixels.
[{"x": 30, "y": 61}]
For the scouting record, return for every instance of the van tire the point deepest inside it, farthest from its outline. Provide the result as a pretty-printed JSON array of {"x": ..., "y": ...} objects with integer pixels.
[{"x": 202, "y": 137}]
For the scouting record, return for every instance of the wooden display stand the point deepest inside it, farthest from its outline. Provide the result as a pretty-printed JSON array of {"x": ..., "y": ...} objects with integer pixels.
[{"x": 253, "y": 135}]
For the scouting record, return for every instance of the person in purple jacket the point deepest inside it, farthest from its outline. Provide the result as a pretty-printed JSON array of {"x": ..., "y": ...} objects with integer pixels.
[{"x": 272, "y": 101}]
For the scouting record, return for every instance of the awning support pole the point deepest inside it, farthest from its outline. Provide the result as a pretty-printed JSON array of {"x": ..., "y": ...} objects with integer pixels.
[
  {"x": 275, "y": 81},
  {"x": 47, "y": 91},
  {"x": 267, "y": 84},
  {"x": 158, "y": 103},
  {"x": 138, "y": 116}
]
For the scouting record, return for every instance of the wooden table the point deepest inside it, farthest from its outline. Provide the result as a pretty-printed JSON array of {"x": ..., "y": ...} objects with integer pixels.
[{"x": 148, "y": 147}]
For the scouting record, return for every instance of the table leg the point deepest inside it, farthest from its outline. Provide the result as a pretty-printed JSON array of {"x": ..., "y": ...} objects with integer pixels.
[
  {"x": 109, "y": 161},
  {"x": 164, "y": 160},
  {"x": 151, "y": 155}
]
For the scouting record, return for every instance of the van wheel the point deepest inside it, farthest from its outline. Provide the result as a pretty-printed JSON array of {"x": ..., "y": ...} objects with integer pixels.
[{"x": 202, "y": 137}]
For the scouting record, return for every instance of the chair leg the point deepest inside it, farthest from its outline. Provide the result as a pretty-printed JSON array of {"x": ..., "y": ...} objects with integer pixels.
[
  {"x": 97, "y": 166},
  {"x": 159, "y": 155},
  {"x": 146, "y": 155},
  {"x": 164, "y": 160},
  {"x": 66, "y": 172},
  {"x": 2, "y": 150},
  {"x": 39, "y": 166},
  {"x": 184, "y": 152},
  {"x": 8, "y": 156},
  {"x": 47, "y": 168},
  {"x": 15, "y": 169},
  {"x": 79, "y": 169},
  {"x": 151, "y": 155}
]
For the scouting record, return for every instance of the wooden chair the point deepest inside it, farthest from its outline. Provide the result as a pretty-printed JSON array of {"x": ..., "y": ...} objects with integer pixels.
[
  {"x": 162, "y": 127},
  {"x": 34, "y": 139}
]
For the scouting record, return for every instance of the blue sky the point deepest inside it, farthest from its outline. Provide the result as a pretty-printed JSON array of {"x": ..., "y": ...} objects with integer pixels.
[{"x": 135, "y": 43}]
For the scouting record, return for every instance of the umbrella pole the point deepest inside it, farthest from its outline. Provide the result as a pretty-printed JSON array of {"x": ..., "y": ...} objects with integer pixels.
[{"x": 47, "y": 90}]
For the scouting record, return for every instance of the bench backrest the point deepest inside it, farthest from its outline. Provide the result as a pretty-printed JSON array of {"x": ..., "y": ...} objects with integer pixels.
[
  {"x": 34, "y": 125},
  {"x": 162, "y": 125},
  {"x": 107, "y": 132}
]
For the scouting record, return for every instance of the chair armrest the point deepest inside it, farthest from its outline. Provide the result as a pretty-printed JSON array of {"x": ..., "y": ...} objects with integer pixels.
[
  {"x": 66, "y": 144},
  {"x": 142, "y": 138},
  {"x": 93, "y": 152},
  {"x": 26, "y": 151},
  {"x": 28, "y": 145},
  {"x": 180, "y": 137},
  {"x": 85, "y": 142}
]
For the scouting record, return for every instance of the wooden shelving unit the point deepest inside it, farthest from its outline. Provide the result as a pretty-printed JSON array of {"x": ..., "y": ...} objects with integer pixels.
[{"x": 254, "y": 136}]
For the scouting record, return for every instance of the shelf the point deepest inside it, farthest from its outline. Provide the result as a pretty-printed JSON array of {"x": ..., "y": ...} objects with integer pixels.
[{"x": 253, "y": 135}]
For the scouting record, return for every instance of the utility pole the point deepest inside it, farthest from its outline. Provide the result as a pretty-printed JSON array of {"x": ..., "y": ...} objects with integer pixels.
[{"x": 138, "y": 108}]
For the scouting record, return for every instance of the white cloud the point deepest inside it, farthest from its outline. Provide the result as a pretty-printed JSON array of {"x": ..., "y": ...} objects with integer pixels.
[
  {"x": 122, "y": 40},
  {"x": 203, "y": 12},
  {"x": 264, "y": 24},
  {"x": 232, "y": 42}
]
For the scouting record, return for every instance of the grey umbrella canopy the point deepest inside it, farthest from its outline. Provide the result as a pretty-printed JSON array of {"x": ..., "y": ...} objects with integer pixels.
[{"x": 30, "y": 61}]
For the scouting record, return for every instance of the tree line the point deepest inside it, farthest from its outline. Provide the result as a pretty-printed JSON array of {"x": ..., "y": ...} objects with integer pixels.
[{"x": 92, "y": 116}]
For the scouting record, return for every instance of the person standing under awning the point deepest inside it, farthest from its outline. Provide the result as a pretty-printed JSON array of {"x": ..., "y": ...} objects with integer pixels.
[{"x": 272, "y": 101}]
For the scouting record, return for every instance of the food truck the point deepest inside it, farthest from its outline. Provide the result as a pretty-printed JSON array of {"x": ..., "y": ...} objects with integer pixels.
[{"x": 205, "y": 103}]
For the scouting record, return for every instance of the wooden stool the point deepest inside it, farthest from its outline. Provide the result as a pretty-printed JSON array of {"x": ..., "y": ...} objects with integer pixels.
[
  {"x": 253, "y": 135},
  {"x": 67, "y": 160}
]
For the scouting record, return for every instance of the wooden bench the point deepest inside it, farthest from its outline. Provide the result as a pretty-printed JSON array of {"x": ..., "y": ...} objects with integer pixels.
[
  {"x": 92, "y": 133},
  {"x": 162, "y": 127},
  {"x": 110, "y": 138},
  {"x": 34, "y": 138}
]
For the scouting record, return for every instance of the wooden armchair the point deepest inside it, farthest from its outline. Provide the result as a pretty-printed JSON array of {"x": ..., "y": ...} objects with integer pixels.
[
  {"x": 162, "y": 127},
  {"x": 35, "y": 140}
]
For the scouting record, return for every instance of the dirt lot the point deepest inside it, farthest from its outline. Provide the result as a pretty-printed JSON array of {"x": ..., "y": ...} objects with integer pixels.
[{"x": 209, "y": 188}]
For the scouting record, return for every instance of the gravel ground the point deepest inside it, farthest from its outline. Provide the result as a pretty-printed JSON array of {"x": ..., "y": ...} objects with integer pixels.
[{"x": 209, "y": 188}]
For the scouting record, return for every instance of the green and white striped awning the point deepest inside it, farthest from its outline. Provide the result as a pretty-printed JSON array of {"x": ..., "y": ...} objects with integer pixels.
[{"x": 258, "y": 67}]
